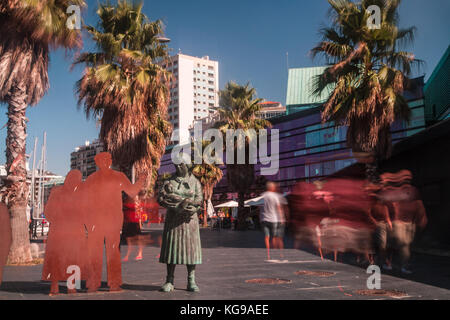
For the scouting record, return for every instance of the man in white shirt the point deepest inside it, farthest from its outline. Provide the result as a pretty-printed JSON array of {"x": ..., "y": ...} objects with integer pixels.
[{"x": 272, "y": 217}]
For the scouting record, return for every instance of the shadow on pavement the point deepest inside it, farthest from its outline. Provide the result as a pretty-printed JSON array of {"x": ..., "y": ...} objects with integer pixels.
[
  {"x": 27, "y": 287},
  {"x": 427, "y": 269},
  {"x": 140, "y": 287}
]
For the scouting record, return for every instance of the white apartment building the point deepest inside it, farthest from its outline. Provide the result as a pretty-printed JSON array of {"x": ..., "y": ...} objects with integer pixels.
[
  {"x": 194, "y": 91},
  {"x": 82, "y": 158}
]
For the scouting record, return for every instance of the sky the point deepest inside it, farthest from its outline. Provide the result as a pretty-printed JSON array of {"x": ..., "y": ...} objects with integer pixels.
[{"x": 253, "y": 40}]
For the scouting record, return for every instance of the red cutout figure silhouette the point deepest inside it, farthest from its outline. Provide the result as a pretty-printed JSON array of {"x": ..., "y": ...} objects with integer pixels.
[
  {"x": 103, "y": 194},
  {"x": 67, "y": 236},
  {"x": 5, "y": 237}
]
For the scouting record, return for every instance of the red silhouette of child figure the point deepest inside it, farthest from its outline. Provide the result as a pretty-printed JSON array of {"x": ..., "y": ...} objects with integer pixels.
[{"x": 103, "y": 194}]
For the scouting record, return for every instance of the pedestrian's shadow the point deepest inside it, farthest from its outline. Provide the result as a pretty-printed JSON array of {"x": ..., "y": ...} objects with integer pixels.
[
  {"x": 140, "y": 287},
  {"x": 26, "y": 287}
]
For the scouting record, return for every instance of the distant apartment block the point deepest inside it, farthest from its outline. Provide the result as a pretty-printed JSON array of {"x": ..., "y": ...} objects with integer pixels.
[
  {"x": 194, "y": 91},
  {"x": 83, "y": 157},
  {"x": 271, "y": 109}
]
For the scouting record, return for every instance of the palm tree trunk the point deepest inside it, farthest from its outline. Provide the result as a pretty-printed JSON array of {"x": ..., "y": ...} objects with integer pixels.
[
  {"x": 17, "y": 188},
  {"x": 241, "y": 223},
  {"x": 372, "y": 172},
  {"x": 205, "y": 213}
]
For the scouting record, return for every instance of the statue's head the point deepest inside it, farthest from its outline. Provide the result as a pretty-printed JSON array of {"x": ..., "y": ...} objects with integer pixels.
[
  {"x": 181, "y": 169},
  {"x": 103, "y": 160},
  {"x": 183, "y": 164}
]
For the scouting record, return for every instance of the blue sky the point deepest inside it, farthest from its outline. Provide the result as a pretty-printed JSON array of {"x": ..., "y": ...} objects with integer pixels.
[{"x": 250, "y": 40}]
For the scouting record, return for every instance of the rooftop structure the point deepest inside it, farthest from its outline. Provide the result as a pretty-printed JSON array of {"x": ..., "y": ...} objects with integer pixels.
[
  {"x": 271, "y": 109},
  {"x": 300, "y": 89}
]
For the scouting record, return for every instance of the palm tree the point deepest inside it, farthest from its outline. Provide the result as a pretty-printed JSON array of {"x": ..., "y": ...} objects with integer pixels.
[
  {"x": 238, "y": 110},
  {"x": 209, "y": 176},
  {"x": 29, "y": 29},
  {"x": 125, "y": 86},
  {"x": 368, "y": 72}
]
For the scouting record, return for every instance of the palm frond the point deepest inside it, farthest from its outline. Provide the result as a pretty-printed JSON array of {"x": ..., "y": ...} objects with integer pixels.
[{"x": 368, "y": 72}]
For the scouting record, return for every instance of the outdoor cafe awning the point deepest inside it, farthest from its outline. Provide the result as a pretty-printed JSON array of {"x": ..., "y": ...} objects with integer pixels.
[
  {"x": 255, "y": 202},
  {"x": 258, "y": 201},
  {"x": 229, "y": 204}
]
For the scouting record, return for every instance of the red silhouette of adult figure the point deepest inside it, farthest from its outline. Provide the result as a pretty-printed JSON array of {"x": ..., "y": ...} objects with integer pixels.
[
  {"x": 103, "y": 191},
  {"x": 5, "y": 237},
  {"x": 67, "y": 236}
]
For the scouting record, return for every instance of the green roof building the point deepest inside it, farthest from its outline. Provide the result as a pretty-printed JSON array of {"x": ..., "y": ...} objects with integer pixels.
[
  {"x": 300, "y": 95},
  {"x": 300, "y": 89},
  {"x": 437, "y": 91}
]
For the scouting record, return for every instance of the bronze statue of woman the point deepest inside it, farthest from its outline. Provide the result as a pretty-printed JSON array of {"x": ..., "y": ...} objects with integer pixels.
[{"x": 182, "y": 196}]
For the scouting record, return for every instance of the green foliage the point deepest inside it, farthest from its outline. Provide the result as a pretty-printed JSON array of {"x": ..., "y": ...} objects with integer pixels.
[
  {"x": 125, "y": 86},
  {"x": 238, "y": 110},
  {"x": 368, "y": 71},
  {"x": 209, "y": 175}
]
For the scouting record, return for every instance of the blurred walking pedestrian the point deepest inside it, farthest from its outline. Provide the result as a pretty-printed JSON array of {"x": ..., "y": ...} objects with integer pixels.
[
  {"x": 379, "y": 213},
  {"x": 273, "y": 218},
  {"x": 408, "y": 214},
  {"x": 131, "y": 230}
]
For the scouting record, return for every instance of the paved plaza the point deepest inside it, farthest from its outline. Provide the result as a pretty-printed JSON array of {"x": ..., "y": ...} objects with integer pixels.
[{"x": 230, "y": 258}]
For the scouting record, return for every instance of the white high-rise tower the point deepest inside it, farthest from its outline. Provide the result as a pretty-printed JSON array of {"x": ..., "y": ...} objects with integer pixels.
[{"x": 194, "y": 91}]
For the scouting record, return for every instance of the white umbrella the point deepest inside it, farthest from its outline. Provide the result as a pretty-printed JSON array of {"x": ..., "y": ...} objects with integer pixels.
[
  {"x": 210, "y": 209},
  {"x": 229, "y": 204},
  {"x": 255, "y": 202}
]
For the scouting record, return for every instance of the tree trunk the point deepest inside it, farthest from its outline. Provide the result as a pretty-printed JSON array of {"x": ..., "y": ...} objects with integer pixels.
[
  {"x": 372, "y": 172},
  {"x": 241, "y": 223},
  {"x": 16, "y": 184},
  {"x": 205, "y": 213}
]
